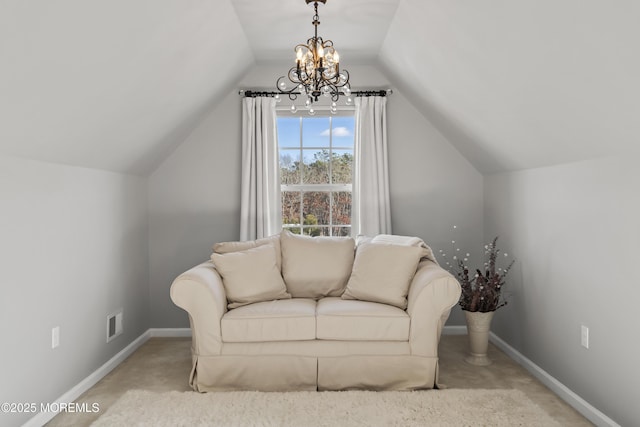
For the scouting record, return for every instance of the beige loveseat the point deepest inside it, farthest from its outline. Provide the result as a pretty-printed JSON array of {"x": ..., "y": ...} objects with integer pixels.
[{"x": 293, "y": 312}]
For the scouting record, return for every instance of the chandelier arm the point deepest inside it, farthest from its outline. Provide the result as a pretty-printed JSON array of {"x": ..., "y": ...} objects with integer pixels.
[
  {"x": 285, "y": 91},
  {"x": 346, "y": 78}
]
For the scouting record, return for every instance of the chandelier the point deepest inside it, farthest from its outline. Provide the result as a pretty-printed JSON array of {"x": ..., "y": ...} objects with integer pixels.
[{"x": 317, "y": 71}]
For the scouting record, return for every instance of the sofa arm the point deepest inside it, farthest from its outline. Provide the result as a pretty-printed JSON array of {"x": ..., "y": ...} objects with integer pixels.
[
  {"x": 200, "y": 292},
  {"x": 433, "y": 292}
]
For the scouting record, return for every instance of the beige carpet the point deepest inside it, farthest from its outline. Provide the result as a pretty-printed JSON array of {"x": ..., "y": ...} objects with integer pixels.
[{"x": 331, "y": 409}]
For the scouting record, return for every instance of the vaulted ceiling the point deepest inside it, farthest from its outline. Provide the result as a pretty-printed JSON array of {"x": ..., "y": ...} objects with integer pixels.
[
  {"x": 522, "y": 84},
  {"x": 357, "y": 27},
  {"x": 118, "y": 84},
  {"x": 112, "y": 84}
]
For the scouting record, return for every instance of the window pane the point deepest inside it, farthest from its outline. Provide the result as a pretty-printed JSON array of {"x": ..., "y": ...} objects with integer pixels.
[
  {"x": 288, "y": 131},
  {"x": 343, "y": 131},
  {"x": 316, "y": 166},
  {"x": 290, "y": 166},
  {"x": 341, "y": 231},
  {"x": 294, "y": 230},
  {"x": 341, "y": 167},
  {"x": 315, "y": 132},
  {"x": 316, "y": 231},
  {"x": 316, "y": 208},
  {"x": 290, "y": 208},
  {"x": 341, "y": 207}
]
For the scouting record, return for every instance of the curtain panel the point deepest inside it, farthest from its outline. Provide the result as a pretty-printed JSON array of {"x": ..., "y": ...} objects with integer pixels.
[
  {"x": 371, "y": 209},
  {"x": 260, "y": 206}
]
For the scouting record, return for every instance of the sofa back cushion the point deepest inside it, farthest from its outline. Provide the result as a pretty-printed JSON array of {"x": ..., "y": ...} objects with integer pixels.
[
  {"x": 250, "y": 276},
  {"x": 228, "y": 247},
  {"x": 383, "y": 273},
  {"x": 316, "y": 267}
]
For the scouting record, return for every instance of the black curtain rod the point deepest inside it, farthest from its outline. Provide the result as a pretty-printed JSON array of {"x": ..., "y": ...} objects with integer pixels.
[{"x": 255, "y": 93}]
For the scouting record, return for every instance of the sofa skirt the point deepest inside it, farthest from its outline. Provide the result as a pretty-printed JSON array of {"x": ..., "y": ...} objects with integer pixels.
[
  {"x": 307, "y": 373},
  {"x": 377, "y": 373}
]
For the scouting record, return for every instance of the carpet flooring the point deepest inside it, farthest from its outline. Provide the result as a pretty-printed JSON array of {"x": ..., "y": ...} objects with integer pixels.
[
  {"x": 445, "y": 408},
  {"x": 163, "y": 365}
]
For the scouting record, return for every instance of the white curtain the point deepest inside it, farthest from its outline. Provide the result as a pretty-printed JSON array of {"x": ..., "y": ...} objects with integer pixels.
[
  {"x": 371, "y": 210},
  {"x": 260, "y": 211}
]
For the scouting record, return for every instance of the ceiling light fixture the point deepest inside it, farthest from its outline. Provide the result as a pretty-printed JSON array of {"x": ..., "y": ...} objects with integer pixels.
[{"x": 317, "y": 71}]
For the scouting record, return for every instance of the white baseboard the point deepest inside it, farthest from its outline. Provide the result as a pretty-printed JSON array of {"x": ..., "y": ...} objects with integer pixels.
[
  {"x": 578, "y": 403},
  {"x": 44, "y": 417}
]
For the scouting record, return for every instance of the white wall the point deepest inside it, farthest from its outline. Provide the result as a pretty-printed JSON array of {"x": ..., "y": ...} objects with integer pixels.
[
  {"x": 194, "y": 196},
  {"x": 73, "y": 249},
  {"x": 574, "y": 229}
]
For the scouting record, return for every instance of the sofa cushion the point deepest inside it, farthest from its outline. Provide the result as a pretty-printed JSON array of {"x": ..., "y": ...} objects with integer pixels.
[
  {"x": 250, "y": 276},
  {"x": 282, "y": 320},
  {"x": 382, "y": 273},
  {"x": 315, "y": 267},
  {"x": 352, "y": 320},
  {"x": 227, "y": 247}
]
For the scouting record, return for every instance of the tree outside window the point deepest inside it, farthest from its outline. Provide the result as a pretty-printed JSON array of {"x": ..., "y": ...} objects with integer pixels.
[{"x": 316, "y": 173}]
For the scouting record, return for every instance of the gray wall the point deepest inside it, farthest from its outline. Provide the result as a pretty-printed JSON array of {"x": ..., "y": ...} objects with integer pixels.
[
  {"x": 574, "y": 229},
  {"x": 194, "y": 196},
  {"x": 73, "y": 249},
  {"x": 194, "y": 201},
  {"x": 433, "y": 188}
]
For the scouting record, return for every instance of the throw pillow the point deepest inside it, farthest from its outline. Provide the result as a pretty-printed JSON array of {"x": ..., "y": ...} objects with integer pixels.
[
  {"x": 383, "y": 273},
  {"x": 250, "y": 276},
  {"x": 227, "y": 247},
  {"x": 316, "y": 267}
]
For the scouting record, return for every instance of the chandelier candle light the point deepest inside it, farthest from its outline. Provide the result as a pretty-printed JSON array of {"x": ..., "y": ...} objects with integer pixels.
[{"x": 317, "y": 71}]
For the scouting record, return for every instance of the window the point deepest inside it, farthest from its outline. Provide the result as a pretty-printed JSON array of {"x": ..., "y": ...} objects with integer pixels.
[{"x": 316, "y": 173}]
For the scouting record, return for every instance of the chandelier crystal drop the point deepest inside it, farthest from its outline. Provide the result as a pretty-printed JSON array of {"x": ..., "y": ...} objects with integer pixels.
[{"x": 317, "y": 71}]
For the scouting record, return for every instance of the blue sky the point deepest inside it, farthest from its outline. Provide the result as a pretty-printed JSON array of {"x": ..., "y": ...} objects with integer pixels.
[{"x": 315, "y": 131}]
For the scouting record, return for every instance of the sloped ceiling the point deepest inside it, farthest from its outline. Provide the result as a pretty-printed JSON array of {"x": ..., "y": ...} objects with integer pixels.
[
  {"x": 522, "y": 84},
  {"x": 356, "y": 27},
  {"x": 118, "y": 84}
]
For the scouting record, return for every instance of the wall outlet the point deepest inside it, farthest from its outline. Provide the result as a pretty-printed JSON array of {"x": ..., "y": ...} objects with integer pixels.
[
  {"x": 114, "y": 325},
  {"x": 55, "y": 337},
  {"x": 584, "y": 336}
]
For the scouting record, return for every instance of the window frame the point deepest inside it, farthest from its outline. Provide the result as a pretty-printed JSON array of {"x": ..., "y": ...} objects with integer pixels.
[{"x": 330, "y": 188}]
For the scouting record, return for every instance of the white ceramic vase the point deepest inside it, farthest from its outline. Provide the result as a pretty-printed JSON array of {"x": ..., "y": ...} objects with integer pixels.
[{"x": 478, "y": 327}]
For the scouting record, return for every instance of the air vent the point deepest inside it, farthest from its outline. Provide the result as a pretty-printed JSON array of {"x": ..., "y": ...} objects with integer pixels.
[{"x": 114, "y": 325}]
